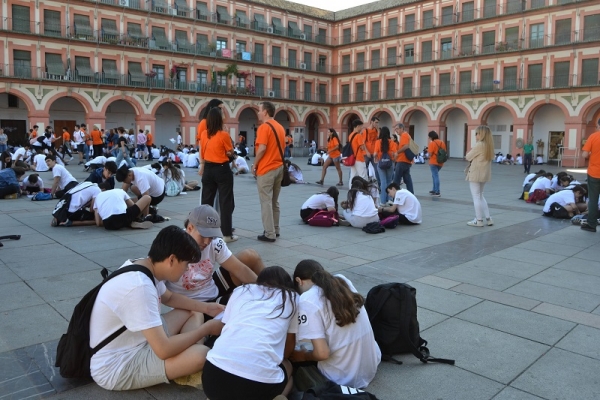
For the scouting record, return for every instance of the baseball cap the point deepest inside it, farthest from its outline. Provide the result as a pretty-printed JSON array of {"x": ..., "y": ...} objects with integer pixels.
[{"x": 206, "y": 220}]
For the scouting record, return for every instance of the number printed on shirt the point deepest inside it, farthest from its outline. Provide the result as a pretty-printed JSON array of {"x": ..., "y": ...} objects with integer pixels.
[
  {"x": 302, "y": 319},
  {"x": 219, "y": 245}
]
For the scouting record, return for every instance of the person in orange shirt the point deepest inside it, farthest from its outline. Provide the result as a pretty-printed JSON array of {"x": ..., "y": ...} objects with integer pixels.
[
  {"x": 149, "y": 143},
  {"x": 214, "y": 103},
  {"x": 360, "y": 151},
  {"x": 591, "y": 150},
  {"x": 335, "y": 156},
  {"x": 215, "y": 150},
  {"x": 96, "y": 137},
  {"x": 371, "y": 134},
  {"x": 289, "y": 143},
  {"x": 403, "y": 164},
  {"x": 434, "y": 145},
  {"x": 268, "y": 169},
  {"x": 66, "y": 144},
  {"x": 385, "y": 145},
  {"x": 33, "y": 133}
]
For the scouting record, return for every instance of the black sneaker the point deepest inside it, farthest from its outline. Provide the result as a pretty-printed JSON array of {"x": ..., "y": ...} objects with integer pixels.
[
  {"x": 586, "y": 227},
  {"x": 431, "y": 192},
  {"x": 437, "y": 194},
  {"x": 263, "y": 238}
]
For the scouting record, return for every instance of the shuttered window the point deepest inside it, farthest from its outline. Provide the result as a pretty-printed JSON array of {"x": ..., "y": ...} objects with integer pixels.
[
  {"x": 509, "y": 80},
  {"x": 486, "y": 83},
  {"x": 183, "y": 43},
  {"x": 160, "y": 38},
  {"x": 134, "y": 30},
  {"x": 374, "y": 90},
  {"x": 489, "y": 8},
  {"x": 201, "y": 11},
  {"x": 308, "y": 32},
  {"x": 512, "y": 38},
  {"x": 465, "y": 82},
  {"x": 392, "y": 26},
  {"x": 407, "y": 87},
  {"x": 135, "y": 72},
  {"x": 293, "y": 29},
  {"x": 259, "y": 23},
  {"x": 428, "y": 19},
  {"x": 159, "y": 6},
  {"x": 307, "y": 91},
  {"x": 447, "y": 15},
  {"x": 591, "y": 27},
  {"x": 242, "y": 19},
  {"x": 561, "y": 73},
  {"x": 534, "y": 76},
  {"x": 276, "y": 50},
  {"x": 409, "y": 23},
  {"x": 361, "y": 32},
  {"x": 277, "y": 26},
  {"x": 347, "y": 35},
  {"x": 392, "y": 55},
  {"x": 425, "y": 85},
  {"x": 346, "y": 63},
  {"x": 589, "y": 72},
  {"x": 109, "y": 27},
  {"x": 22, "y": 61},
  {"x": 466, "y": 45},
  {"x": 468, "y": 11},
  {"x": 345, "y": 93},
  {"x": 376, "y": 30},
  {"x": 83, "y": 68},
  {"x": 83, "y": 29},
  {"x": 52, "y": 25},
  {"x": 54, "y": 64},
  {"x": 360, "y": 61},
  {"x": 375, "y": 58},
  {"x": 359, "y": 92},
  {"x": 426, "y": 52},
  {"x": 489, "y": 42},
  {"x": 223, "y": 15},
  {"x": 109, "y": 69},
  {"x": 390, "y": 88},
  {"x": 21, "y": 19},
  {"x": 445, "y": 86},
  {"x": 563, "y": 31}
]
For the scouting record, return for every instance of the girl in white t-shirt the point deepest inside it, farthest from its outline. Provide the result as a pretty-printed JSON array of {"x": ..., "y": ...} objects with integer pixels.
[
  {"x": 320, "y": 201},
  {"x": 360, "y": 209},
  {"x": 248, "y": 362},
  {"x": 295, "y": 172},
  {"x": 331, "y": 314}
]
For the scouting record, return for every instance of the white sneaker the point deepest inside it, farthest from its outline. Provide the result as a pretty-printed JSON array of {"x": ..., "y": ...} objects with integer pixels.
[
  {"x": 489, "y": 221},
  {"x": 141, "y": 225},
  {"x": 475, "y": 222},
  {"x": 229, "y": 239}
]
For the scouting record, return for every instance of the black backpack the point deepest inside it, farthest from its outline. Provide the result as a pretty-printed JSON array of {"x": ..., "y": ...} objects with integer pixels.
[
  {"x": 442, "y": 155},
  {"x": 392, "y": 310},
  {"x": 73, "y": 353},
  {"x": 61, "y": 210}
]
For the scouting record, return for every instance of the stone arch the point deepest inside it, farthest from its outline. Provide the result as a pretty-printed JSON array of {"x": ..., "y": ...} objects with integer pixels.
[
  {"x": 590, "y": 111},
  {"x": 408, "y": 114},
  {"x": 540, "y": 103},
  {"x": 292, "y": 116},
  {"x": 248, "y": 122},
  {"x": 487, "y": 109},
  {"x": 455, "y": 122},
  {"x": 349, "y": 115},
  {"x": 247, "y": 107},
  {"x": 87, "y": 107},
  {"x": 285, "y": 118},
  {"x": 386, "y": 118},
  {"x": 545, "y": 118},
  {"x": 177, "y": 103},
  {"x": 22, "y": 96},
  {"x": 131, "y": 100},
  {"x": 323, "y": 120},
  {"x": 416, "y": 122},
  {"x": 447, "y": 109},
  {"x": 17, "y": 120}
]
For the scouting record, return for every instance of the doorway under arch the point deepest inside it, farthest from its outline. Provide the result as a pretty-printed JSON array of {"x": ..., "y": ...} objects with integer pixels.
[
  {"x": 168, "y": 124},
  {"x": 549, "y": 128},
  {"x": 14, "y": 118},
  {"x": 120, "y": 113},
  {"x": 456, "y": 132}
]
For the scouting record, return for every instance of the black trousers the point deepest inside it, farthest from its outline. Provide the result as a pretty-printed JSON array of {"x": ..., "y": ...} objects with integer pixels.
[
  {"x": 10, "y": 189},
  {"x": 218, "y": 178}
]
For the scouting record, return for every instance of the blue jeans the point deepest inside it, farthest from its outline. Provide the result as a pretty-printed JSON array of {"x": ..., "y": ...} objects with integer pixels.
[
  {"x": 527, "y": 161},
  {"x": 593, "y": 193},
  {"x": 120, "y": 158},
  {"x": 385, "y": 178},
  {"x": 369, "y": 160},
  {"x": 287, "y": 153},
  {"x": 435, "y": 169},
  {"x": 3, "y": 148},
  {"x": 402, "y": 172}
]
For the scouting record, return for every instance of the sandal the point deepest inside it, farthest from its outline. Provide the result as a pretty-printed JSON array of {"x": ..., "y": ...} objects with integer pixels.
[
  {"x": 319, "y": 182},
  {"x": 340, "y": 184}
]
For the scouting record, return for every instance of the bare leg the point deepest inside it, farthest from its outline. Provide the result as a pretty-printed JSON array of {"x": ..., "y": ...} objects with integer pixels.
[
  {"x": 288, "y": 369},
  {"x": 252, "y": 260},
  {"x": 325, "y": 165},
  {"x": 339, "y": 170},
  {"x": 144, "y": 204}
]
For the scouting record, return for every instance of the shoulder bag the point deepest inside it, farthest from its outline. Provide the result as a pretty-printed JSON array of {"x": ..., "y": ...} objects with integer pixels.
[{"x": 285, "y": 181}]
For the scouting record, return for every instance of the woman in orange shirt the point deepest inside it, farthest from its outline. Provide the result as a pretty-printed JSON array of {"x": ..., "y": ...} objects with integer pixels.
[
  {"x": 215, "y": 150},
  {"x": 214, "y": 103},
  {"x": 97, "y": 141},
  {"x": 335, "y": 156},
  {"x": 385, "y": 167}
]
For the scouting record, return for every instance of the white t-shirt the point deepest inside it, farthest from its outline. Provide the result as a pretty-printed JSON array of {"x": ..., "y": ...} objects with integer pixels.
[
  {"x": 197, "y": 282},
  {"x": 364, "y": 206},
  {"x": 40, "y": 183},
  {"x": 354, "y": 354},
  {"x": 563, "y": 198},
  {"x": 100, "y": 160},
  {"x": 130, "y": 299},
  {"x": 541, "y": 183},
  {"x": 519, "y": 160},
  {"x": 408, "y": 205},
  {"x": 539, "y": 160},
  {"x": 295, "y": 173},
  {"x": 319, "y": 201},
  {"x": 146, "y": 180},
  {"x": 155, "y": 152},
  {"x": 111, "y": 202},
  {"x": 315, "y": 159},
  {"x": 78, "y": 137},
  {"x": 40, "y": 163},
  {"x": 80, "y": 197},
  {"x": 252, "y": 342},
  {"x": 527, "y": 179},
  {"x": 240, "y": 163},
  {"x": 65, "y": 176},
  {"x": 20, "y": 152},
  {"x": 178, "y": 139}
]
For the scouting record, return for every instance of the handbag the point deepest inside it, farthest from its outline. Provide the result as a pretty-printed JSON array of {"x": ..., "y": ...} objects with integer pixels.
[
  {"x": 323, "y": 218},
  {"x": 285, "y": 180}
]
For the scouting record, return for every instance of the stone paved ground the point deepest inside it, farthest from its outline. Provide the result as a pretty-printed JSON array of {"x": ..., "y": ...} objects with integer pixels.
[{"x": 516, "y": 304}]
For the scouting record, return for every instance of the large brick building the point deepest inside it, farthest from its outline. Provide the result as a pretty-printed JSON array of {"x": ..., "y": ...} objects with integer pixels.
[{"x": 526, "y": 68}]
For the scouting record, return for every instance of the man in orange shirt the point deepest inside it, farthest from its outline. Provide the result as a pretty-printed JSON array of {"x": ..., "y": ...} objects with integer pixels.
[
  {"x": 403, "y": 164},
  {"x": 96, "y": 136},
  {"x": 591, "y": 150},
  {"x": 149, "y": 143},
  {"x": 360, "y": 151},
  {"x": 66, "y": 144},
  {"x": 434, "y": 146},
  {"x": 371, "y": 134},
  {"x": 268, "y": 169}
]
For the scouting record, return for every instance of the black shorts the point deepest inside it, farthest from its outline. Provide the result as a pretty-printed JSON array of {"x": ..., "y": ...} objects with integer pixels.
[
  {"x": 32, "y": 189},
  {"x": 221, "y": 385},
  {"x": 306, "y": 213},
  {"x": 80, "y": 148},
  {"x": 156, "y": 200},
  {"x": 118, "y": 221},
  {"x": 224, "y": 282},
  {"x": 81, "y": 215},
  {"x": 557, "y": 211}
]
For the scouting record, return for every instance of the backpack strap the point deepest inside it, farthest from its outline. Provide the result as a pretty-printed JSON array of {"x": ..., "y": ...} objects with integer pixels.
[
  {"x": 104, "y": 272},
  {"x": 278, "y": 144}
]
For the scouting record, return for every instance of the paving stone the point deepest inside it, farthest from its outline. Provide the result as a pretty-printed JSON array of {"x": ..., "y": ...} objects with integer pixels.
[
  {"x": 72, "y": 264},
  {"x": 17, "y": 290},
  {"x": 93, "y": 391},
  {"x": 577, "y": 265},
  {"x": 362, "y": 283},
  {"x": 568, "y": 298},
  {"x": 7, "y": 276},
  {"x": 509, "y": 393},
  {"x": 561, "y": 375},
  {"x": 552, "y": 248},
  {"x": 437, "y": 281},
  {"x": 496, "y": 296},
  {"x": 53, "y": 288},
  {"x": 569, "y": 315},
  {"x": 441, "y": 300},
  {"x": 502, "y": 266},
  {"x": 570, "y": 280},
  {"x": 428, "y": 318},
  {"x": 526, "y": 255},
  {"x": 479, "y": 277},
  {"x": 591, "y": 253},
  {"x": 522, "y": 323},
  {"x": 28, "y": 322},
  {"x": 475, "y": 348},
  {"x": 582, "y": 340}
]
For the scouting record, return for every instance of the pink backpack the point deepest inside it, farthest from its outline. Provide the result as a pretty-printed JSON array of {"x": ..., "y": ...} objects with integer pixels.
[{"x": 324, "y": 218}]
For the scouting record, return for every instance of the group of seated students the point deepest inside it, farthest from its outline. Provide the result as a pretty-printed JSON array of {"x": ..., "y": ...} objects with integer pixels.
[
  {"x": 271, "y": 320},
  {"x": 362, "y": 204}
]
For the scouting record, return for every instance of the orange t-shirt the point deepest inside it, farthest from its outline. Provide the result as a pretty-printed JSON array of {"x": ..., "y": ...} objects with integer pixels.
[
  {"x": 592, "y": 146},
  {"x": 66, "y": 137},
  {"x": 370, "y": 136},
  {"x": 215, "y": 149},
  {"x": 271, "y": 159},
  {"x": 149, "y": 139},
  {"x": 86, "y": 137},
  {"x": 201, "y": 128},
  {"x": 289, "y": 140},
  {"x": 333, "y": 147},
  {"x": 356, "y": 143},
  {"x": 392, "y": 147},
  {"x": 404, "y": 140},
  {"x": 433, "y": 148},
  {"x": 96, "y": 137}
]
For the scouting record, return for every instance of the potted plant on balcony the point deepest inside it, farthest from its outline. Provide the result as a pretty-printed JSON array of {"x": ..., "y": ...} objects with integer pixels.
[
  {"x": 173, "y": 75},
  {"x": 212, "y": 48}
]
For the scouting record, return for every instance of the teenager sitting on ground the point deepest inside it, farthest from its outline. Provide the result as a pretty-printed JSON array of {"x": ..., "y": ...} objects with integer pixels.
[
  {"x": 540, "y": 189},
  {"x": 239, "y": 165},
  {"x": 318, "y": 202},
  {"x": 20, "y": 157},
  {"x": 63, "y": 180},
  {"x": 39, "y": 163},
  {"x": 155, "y": 348},
  {"x": 115, "y": 210},
  {"x": 295, "y": 172},
  {"x": 79, "y": 212},
  {"x": 261, "y": 322},
  {"x": 32, "y": 184},
  {"x": 142, "y": 182},
  {"x": 331, "y": 314},
  {"x": 566, "y": 203},
  {"x": 176, "y": 174},
  {"x": 5, "y": 160},
  {"x": 529, "y": 180},
  {"x": 519, "y": 160},
  {"x": 359, "y": 209},
  {"x": 9, "y": 181},
  {"x": 567, "y": 182},
  {"x": 203, "y": 280},
  {"x": 406, "y": 205},
  {"x": 104, "y": 174}
]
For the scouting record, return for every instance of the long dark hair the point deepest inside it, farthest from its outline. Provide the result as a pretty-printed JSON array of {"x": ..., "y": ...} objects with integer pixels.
[
  {"x": 333, "y": 135},
  {"x": 287, "y": 163},
  {"x": 5, "y": 154},
  {"x": 358, "y": 184},
  {"x": 345, "y": 304},
  {"x": 175, "y": 172},
  {"x": 277, "y": 278},
  {"x": 214, "y": 122},
  {"x": 214, "y": 103},
  {"x": 334, "y": 193},
  {"x": 384, "y": 135}
]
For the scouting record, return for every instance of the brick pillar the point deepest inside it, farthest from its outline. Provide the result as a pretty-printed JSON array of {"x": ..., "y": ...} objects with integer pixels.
[
  {"x": 188, "y": 130},
  {"x": 95, "y": 119},
  {"x": 39, "y": 118},
  {"x": 575, "y": 132}
]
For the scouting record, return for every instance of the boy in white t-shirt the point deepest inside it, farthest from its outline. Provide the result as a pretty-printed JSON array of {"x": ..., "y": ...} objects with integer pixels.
[
  {"x": 78, "y": 214},
  {"x": 151, "y": 351},
  {"x": 115, "y": 210},
  {"x": 32, "y": 184},
  {"x": 239, "y": 165},
  {"x": 63, "y": 180},
  {"x": 39, "y": 163},
  {"x": 406, "y": 205},
  {"x": 565, "y": 204},
  {"x": 142, "y": 182}
]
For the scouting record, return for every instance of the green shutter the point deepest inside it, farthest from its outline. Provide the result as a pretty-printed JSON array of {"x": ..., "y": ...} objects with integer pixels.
[{"x": 54, "y": 64}]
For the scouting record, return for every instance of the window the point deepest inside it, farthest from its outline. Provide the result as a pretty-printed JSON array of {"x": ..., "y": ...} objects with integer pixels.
[
  {"x": 277, "y": 26},
  {"x": 515, "y": 6},
  {"x": 468, "y": 11},
  {"x": 109, "y": 71},
  {"x": 534, "y": 76},
  {"x": 308, "y": 60},
  {"x": 445, "y": 86},
  {"x": 322, "y": 92},
  {"x": 347, "y": 35},
  {"x": 497, "y": 141},
  {"x": 361, "y": 33},
  {"x": 159, "y": 38},
  {"x": 259, "y": 52},
  {"x": 110, "y": 33},
  {"x": 322, "y": 37},
  {"x": 428, "y": 19},
  {"x": 390, "y": 89},
  {"x": 409, "y": 53},
  {"x": 292, "y": 58},
  {"x": 376, "y": 30},
  {"x": 52, "y": 25},
  {"x": 409, "y": 23},
  {"x": 241, "y": 19},
  {"x": 202, "y": 79},
  {"x": 425, "y": 85},
  {"x": 489, "y": 8},
  {"x": 589, "y": 72},
  {"x": 221, "y": 43},
  {"x": 510, "y": 78},
  {"x": 83, "y": 29},
  {"x": 308, "y": 32},
  {"x": 447, "y": 15},
  {"x": 21, "y": 19},
  {"x": 391, "y": 56},
  {"x": 307, "y": 91},
  {"x": 55, "y": 68},
  {"x": 134, "y": 31},
  {"x": 322, "y": 67},
  {"x": 561, "y": 73},
  {"x": 537, "y": 3},
  {"x": 465, "y": 82},
  {"x": 345, "y": 93},
  {"x": 466, "y": 45},
  {"x": 407, "y": 87},
  {"x": 392, "y": 26},
  {"x": 222, "y": 83},
  {"x": 292, "y": 87},
  {"x": 159, "y": 70},
  {"x": 374, "y": 90},
  {"x": 277, "y": 86},
  {"x": 201, "y": 11},
  {"x": 360, "y": 92},
  {"x": 346, "y": 63},
  {"x": 259, "y": 85},
  {"x": 240, "y": 46},
  {"x": 591, "y": 27},
  {"x": 276, "y": 55},
  {"x": 536, "y": 36},
  {"x": 375, "y": 58},
  {"x": 486, "y": 83},
  {"x": 360, "y": 61},
  {"x": 446, "y": 48},
  {"x": 183, "y": 43},
  {"x": 511, "y": 37},
  {"x": 241, "y": 82},
  {"x": 489, "y": 42},
  {"x": 563, "y": 31},
  {"x": 426, "y": 53},
  {"x": 223, "y": 16},
  {"x": 84, "y": 69}
]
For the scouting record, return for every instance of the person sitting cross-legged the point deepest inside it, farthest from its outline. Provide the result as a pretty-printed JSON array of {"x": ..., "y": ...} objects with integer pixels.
[{"x": 406, "y": 205}]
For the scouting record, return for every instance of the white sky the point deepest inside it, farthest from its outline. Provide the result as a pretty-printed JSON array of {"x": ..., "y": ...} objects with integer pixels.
[{"x": 333, "y": 5}]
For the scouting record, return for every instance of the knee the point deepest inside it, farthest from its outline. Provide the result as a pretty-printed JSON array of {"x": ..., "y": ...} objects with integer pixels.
[{"x": 251, "y": 258}]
